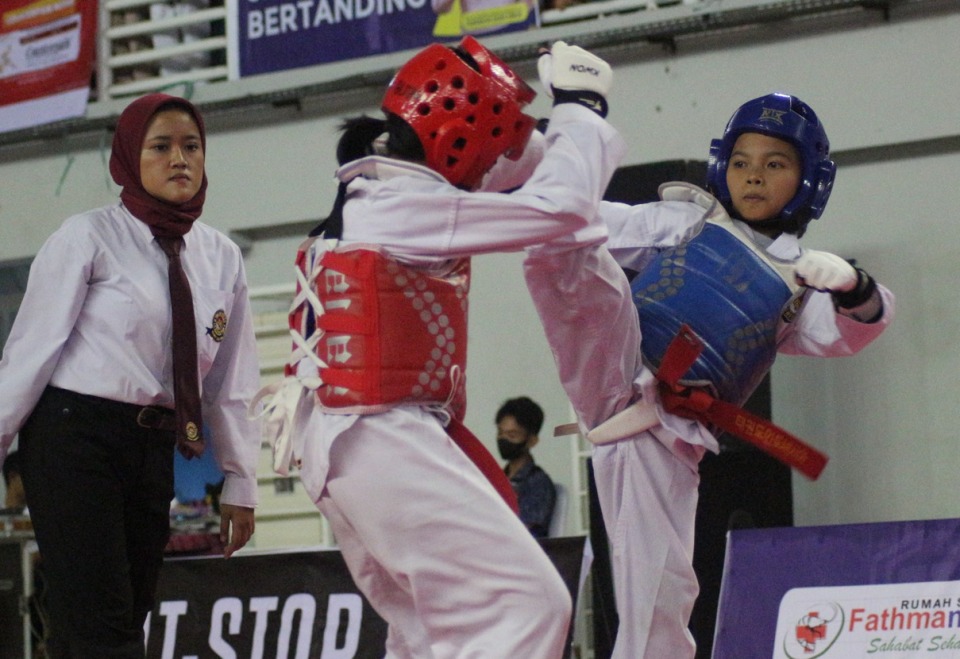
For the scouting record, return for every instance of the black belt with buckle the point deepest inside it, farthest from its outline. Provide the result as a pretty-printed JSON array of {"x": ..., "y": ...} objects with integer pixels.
[
  {"x": 154, "y": 417},
  {"x": 157, "y": 418}
]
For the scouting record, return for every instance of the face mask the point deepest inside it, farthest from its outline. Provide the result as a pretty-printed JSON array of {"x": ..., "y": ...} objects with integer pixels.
[{"x": 509, "y": 450}]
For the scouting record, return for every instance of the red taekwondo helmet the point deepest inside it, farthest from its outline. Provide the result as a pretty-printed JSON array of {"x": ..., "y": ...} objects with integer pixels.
[{"x": 465, "y": 104}]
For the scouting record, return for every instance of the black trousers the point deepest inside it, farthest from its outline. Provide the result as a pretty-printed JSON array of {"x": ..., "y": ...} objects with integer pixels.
[{"x": 99, "y": 488}]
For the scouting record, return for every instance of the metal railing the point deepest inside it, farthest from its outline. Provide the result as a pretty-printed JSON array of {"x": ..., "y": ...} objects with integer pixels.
[
  {"x": 151, "y": 45},
  {"x": 146, "y": 45}
]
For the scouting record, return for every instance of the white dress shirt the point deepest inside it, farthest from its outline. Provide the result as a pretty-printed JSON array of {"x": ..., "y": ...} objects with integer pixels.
[{"x": 95, "y": 319}]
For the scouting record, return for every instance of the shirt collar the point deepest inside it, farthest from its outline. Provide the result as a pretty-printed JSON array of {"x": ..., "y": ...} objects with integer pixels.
[
  {"x": 382, "y": 168},
  {"x": 141, "y": 228},
  {"x": 786, "y": 247}
]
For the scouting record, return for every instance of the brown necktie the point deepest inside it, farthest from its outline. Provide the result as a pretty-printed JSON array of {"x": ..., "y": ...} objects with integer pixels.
[{"x": 186, "y": 391}]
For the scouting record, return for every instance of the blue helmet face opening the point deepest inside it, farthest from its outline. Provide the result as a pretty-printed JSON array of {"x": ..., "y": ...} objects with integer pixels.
[{"x": 790, "y": 119}]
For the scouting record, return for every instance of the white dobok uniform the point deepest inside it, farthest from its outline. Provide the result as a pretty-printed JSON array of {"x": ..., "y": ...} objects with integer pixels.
[
  {"x": 98, "y": 285},
  {"x": 427, "y": 539},
  {"x": 647, "y": 483}
]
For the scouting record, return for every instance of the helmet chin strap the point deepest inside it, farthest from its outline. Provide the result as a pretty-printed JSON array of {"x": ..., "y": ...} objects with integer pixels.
[{"x": 779, "y": 224}]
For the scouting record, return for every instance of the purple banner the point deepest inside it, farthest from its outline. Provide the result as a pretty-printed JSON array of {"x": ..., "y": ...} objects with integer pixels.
[
  {"x": 275, "y": 35},
  {"x": 839, "y": 592}
]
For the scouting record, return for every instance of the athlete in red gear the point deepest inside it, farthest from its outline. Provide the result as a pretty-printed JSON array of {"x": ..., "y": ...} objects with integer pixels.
[{"x": 374, "y": 390}]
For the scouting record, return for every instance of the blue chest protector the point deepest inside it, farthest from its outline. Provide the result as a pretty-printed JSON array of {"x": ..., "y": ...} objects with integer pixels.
[{"x": 729, "y": 293}]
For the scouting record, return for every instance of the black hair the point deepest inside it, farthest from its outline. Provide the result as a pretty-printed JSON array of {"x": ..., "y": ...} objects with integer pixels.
[
  {"x": 11, "y": 466},
  {"x": 357, "y": 141},
  {"x": 357, "y": 138},
  {"x": 359, "y": 134},
  {"x": 528, "y": 414}
]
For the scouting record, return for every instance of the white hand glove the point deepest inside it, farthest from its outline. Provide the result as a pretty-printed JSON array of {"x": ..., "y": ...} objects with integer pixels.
[
  {"x": 573, "y": 68},
  {"x": 824, "y": 271}
]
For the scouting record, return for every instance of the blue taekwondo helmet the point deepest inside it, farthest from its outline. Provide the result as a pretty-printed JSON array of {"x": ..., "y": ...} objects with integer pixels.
[{"x": 788, "y": 118}]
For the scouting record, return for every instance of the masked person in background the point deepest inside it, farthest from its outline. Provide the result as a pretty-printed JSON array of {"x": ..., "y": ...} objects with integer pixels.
[{"x": 518, "y": 426}]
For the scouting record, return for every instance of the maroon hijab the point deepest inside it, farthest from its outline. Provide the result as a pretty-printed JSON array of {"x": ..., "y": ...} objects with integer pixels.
[{"x": 164, "y": 219}]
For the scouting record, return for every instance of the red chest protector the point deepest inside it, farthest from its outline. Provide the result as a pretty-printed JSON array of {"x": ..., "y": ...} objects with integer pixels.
[{"x": 388, "y": 334}]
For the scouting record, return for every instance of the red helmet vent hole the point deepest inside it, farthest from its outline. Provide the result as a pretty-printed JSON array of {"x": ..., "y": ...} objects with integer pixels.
[
  {"x": 423, "y": 109},
  {"x": 449, "y": 104},
  {"x": 457, "y": 82},
  {"x": 497, "y": 108},
  {"x": 473, "y": 98},
  {"x": 432, "y": 87},
  {"x": 497, "y": 131}
]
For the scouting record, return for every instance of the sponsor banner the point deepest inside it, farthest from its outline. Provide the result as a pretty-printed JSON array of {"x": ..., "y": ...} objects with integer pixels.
[
  {"x": 275, "y": 35},
  {"x": 889, "y": 589},
  {"x": 296, "y": 604},
  {"x": 46, "y": 60},
  {"x": 899, "y": 621}
]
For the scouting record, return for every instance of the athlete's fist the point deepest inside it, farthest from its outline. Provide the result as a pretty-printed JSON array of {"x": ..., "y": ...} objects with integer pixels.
[
  {"x": 570, "y": 74},
  {"x": 824, "y": 271}
]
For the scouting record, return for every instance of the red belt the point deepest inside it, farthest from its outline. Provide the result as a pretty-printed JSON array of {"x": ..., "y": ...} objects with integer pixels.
[
  {"x": 698, "y": 404},
  {"x": 485, "y": 462}
]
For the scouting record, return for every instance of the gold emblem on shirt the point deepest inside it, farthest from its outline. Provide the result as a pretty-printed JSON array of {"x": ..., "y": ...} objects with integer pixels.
[
  {"x": 193, "y": 433},
  {"x": 218, "y": 326}
]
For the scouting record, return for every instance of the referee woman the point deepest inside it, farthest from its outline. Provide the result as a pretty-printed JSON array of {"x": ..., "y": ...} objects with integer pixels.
[{"x": 102, "y": 382}]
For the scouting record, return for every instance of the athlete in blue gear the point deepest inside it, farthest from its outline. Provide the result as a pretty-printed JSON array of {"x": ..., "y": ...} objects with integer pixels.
[{"x": 730, "y": 267}]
